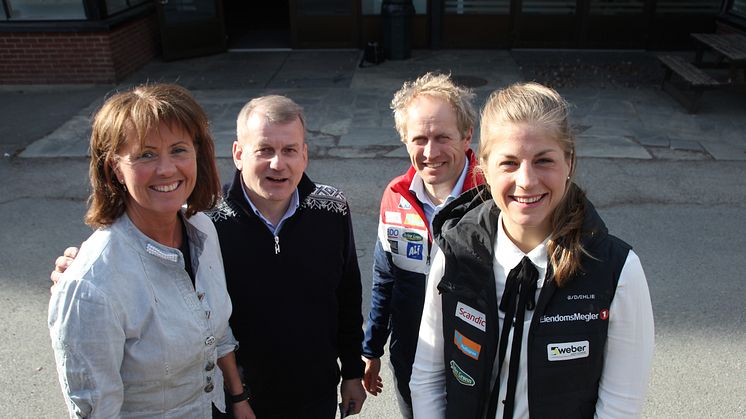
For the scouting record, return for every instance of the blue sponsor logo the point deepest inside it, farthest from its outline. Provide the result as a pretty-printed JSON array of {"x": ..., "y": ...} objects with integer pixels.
[
  {"x": 414, "y": 251},
  {"x": 393, "y": 233}
]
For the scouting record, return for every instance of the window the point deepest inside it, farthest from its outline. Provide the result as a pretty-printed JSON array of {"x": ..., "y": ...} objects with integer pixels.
[
  {"x": 688, "y": 7},
  {"x": 373, "y": 7},
  {"x": 477, "y": 7},
  {"x": 45, "y": 9},
  {"x": 738, "y": 8}
]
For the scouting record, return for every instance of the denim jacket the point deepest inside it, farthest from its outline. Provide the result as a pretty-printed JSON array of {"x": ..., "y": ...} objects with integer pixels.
[{"x": 131, "y": 336}]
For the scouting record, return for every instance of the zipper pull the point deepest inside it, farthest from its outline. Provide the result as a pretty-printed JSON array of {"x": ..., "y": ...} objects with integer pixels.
[{"x": 277, "y": 245}]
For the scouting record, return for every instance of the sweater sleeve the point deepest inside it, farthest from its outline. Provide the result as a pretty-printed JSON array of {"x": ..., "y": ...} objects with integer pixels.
[
  {"x": 377, "y": 330},
  {"x": 349, "y": 300},
  {"x": 629, "y": 347},
  {"x": 428, "y": 384}
]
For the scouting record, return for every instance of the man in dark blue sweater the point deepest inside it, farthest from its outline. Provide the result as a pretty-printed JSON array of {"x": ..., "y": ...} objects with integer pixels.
[{"x": 291, "y": 270}]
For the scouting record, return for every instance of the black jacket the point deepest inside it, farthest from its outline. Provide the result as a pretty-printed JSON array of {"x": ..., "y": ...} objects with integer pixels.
[
  {"x": 571, "y": 318},
  {"x": 297, "y": 310}
]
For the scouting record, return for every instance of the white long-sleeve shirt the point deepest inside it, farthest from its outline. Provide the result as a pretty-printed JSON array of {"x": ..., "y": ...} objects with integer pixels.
[{"x": 628, "y": 353}]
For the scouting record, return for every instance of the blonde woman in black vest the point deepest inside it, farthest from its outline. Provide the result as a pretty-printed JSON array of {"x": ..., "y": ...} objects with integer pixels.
[{"x": 533, "y": 309}]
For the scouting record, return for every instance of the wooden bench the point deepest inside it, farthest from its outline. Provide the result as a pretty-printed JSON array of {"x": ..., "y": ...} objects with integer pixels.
[{"x": 695, "y": 80}]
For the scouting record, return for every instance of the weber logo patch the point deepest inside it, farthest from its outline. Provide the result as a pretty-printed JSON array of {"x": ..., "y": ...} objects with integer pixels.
[
  {"x": 568, "y": 350},
  {"x": 460, "y": 375}
]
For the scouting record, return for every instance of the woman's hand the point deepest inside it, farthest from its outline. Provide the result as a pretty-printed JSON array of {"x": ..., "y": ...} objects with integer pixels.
[{"x": 242, "y": 410}]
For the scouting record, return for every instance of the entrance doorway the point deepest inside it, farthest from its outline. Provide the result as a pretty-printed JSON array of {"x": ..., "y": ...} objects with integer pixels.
[{"x": 252, "y": 26}]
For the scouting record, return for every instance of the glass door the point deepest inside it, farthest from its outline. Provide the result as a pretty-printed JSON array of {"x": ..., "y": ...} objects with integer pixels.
[
  {"x": 324, "y": 23},
  {"x": 191, "y": 28}
]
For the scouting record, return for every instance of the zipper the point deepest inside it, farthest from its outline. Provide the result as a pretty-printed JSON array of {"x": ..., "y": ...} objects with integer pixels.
[{"x": 277, "y": 245}]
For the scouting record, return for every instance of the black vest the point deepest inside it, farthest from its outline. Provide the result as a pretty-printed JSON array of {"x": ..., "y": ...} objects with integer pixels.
[{"x": 568, "y": 330}]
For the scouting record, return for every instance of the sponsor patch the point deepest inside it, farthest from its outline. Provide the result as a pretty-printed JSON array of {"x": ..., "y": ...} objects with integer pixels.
[
  {"x": 582, "y": 297},
  {"x": 574, "y": 317},
  {"x": 414, "y": 251},
  {"x": 604, "y": 314},
  {"x": 394, "y": 246},
  {"x": 568, "y": 350},
  {"x": 460, "y": 375},
  {"x": 404, "y": 204},
  {"x": 413, "y": 237},
  {"x": 392, "y": 232},
  {"x": 414, "y": 220},
  {"x": 392, "y": 217},
  {"x": 471, "y": 316},
  {"x": 466, "y": 345}
]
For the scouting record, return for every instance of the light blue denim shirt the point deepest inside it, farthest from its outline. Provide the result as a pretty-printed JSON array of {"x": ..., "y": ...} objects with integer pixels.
[{"x": 132, "y": 337}]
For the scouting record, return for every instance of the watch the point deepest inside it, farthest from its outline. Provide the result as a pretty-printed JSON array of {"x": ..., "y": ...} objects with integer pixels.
[{"x": 245, "y": 395}]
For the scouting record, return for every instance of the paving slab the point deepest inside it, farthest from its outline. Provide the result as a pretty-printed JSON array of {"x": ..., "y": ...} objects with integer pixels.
[
  {"x": 607, "y": 147},
  {"x": 617, "y": 109}
]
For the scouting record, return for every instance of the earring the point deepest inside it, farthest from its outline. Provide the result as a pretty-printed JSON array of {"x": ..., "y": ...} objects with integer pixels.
[{"x": 124, "y": 187}]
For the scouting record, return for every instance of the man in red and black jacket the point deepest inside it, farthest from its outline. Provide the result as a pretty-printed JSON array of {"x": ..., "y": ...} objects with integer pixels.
[{"x": 435, "y": 119}]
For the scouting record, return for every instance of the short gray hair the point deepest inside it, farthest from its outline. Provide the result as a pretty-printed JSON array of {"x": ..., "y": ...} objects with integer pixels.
[{"x": 277, "y": 109}]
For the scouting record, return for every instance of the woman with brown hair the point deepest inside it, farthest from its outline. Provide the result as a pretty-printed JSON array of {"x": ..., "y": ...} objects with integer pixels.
[
  {"x": 533, "y": 309},
  {"x": 139, "y": 321}
]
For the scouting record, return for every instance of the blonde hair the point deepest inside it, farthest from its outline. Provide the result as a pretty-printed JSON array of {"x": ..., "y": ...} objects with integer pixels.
[
  {"x": 277, "y": 109},
  {"x": 541, "y": 106},
  {"x": 439, "y": 86},
  {"x": 131, "y": 116}
]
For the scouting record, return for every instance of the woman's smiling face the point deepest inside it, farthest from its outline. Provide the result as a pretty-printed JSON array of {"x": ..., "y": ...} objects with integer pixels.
[
  {"x": 527, "y": 171},
  {"x": 161, "y": 175}
]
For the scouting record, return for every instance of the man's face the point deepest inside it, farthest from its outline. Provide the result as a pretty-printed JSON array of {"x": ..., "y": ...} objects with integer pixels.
[
  {"x": 272, "y": 159},
  {"x": 435, "y": 145}
]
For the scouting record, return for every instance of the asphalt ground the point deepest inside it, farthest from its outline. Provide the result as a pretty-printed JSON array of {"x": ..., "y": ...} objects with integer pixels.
[{"x": 669, "y": 183}]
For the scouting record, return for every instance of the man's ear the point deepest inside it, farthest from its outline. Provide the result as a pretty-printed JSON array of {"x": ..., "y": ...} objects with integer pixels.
[
  {"x": 237, "y": 153},
  {"x": 467, "y": 138}
]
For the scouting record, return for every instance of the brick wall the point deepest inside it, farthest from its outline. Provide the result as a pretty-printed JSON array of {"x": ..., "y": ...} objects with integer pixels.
[{"x": 78, "y": 57}]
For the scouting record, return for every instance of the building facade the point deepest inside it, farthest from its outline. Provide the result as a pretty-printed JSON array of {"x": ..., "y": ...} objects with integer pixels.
[{"x": 103, "y": 41}]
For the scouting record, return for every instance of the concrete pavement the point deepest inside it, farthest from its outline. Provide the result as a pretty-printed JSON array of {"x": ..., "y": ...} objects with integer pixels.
[
  {"x": 660, "y": 178},
  {"x": 615, "y": 114}
]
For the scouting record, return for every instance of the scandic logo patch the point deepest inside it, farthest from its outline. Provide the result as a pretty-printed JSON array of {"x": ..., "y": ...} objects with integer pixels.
[
  {"x": 461, "y": 376},
  {"x": 466, "y": 345},
  {"x": 568, "y": 350},
  {"x": 471, "y": 316}
]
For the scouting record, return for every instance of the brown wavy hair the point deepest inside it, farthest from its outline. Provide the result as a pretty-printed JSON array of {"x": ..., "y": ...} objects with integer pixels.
[
  {"x": 130, "y": 116},
  {"x": 538, "y": 105}
]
